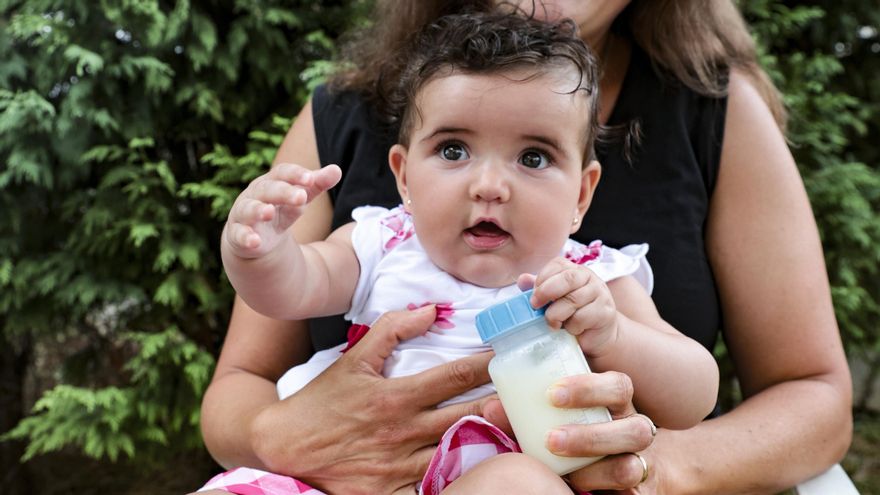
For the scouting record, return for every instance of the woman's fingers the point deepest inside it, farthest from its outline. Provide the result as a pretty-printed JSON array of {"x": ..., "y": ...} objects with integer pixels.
[
  {"x": 424, "y": 390},
  {"x": 389, "y": 426},
  {"x": 616, "y": 440},
  {"x": 416, "y": 465},
  {"x": 350, "y": 404},
  {"x": 614, "y": 472},
  {"x": 441, "y": 383},
  {"x": 434, "y": 422},
  {"x": 632, "y": 434},
  {"x": 427, "y": 389},
  {"x": 494, "y": 413},
  {"x": 610, "y": 389},
  {"x": 388, "y": 331},
  {"x": 628, "y": 432}
]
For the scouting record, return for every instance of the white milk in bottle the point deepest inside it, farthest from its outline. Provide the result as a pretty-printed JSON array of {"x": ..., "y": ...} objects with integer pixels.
[{"x": 529, "y": 357}]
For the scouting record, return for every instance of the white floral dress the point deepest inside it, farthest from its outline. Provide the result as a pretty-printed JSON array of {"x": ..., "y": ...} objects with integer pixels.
[{"x": 396, "y": 273}]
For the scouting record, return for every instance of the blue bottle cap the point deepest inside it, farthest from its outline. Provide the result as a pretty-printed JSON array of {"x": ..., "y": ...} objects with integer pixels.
[{"x": 507, "y": 316}]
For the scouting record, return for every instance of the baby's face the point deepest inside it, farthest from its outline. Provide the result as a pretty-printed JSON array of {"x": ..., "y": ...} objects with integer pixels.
[{"x": 494, "y": 172}]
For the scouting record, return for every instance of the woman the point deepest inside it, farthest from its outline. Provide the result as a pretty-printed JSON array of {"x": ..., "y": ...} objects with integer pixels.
[{"x": 710, "y": 185}]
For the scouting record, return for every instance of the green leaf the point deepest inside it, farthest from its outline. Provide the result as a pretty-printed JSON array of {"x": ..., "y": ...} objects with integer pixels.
[
  {"x": 141, "y": 232},
  {"x": 5, "y": 272},
  {"x": 156, "y": 75},
  {"x": 170, "y": 292},
  {"x": 87, "y": 62},
  {"x": 25, "y": 113}
]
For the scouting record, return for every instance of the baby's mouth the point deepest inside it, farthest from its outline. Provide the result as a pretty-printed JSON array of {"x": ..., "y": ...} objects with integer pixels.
[{"x": 485, "y": 235}]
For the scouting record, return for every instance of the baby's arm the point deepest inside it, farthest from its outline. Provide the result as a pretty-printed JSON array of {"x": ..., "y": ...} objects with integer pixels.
[
  {"x": 269, "y": 270},
  {"x": 675, "y": 379}
]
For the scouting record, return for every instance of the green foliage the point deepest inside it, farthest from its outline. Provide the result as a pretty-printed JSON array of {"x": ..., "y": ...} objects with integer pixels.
[
  {"x": 232, "y": 171},
  {"x": 128, "y": 127},
  {"x": 123, "y": 137},
  {"x": 166, "y": 378},
  {"x": 87, "y": 418},
  {"x": 825, "y": 60}
]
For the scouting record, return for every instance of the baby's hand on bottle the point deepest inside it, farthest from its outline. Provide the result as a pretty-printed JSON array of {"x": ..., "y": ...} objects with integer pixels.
[
  {"x": 579, "y": 301},
  {"x": 271, "y": 203}
]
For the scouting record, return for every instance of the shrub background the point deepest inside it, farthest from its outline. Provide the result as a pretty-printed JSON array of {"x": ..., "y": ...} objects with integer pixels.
[{"x": 128, "y": 126}]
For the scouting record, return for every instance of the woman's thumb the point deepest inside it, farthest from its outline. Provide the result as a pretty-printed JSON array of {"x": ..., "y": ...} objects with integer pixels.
[{"x": 388, "y": 331}]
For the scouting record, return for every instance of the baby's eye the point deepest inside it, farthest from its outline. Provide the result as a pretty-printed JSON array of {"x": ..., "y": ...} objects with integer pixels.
[
  {"x": 535, "y": 159},
  {"x": 453, "y": 152}
]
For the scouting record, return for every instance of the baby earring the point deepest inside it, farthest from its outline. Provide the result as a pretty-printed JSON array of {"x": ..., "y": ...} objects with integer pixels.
[{"x": 408, "y": 202}]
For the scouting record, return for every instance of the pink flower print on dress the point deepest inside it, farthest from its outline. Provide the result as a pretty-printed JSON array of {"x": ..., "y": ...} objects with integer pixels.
[
  {"x": 355, "y": 333},
  {"x": 581, "y": 254},
  {"x": 444, "y": 313},
  {"x": 400, "y": 223}
]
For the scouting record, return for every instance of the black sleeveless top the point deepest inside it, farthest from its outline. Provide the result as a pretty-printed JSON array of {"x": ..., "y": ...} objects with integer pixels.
[{"x": 660, "y": 196}]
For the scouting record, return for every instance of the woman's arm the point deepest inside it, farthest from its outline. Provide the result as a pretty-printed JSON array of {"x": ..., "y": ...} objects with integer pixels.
[
  {"x": 674, "y": 377},
  {"x": 258, "y": 350},
  {"x": 780, "y": 329}
]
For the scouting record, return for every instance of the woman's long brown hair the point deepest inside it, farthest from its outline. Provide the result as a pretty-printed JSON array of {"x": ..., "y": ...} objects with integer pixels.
[
  {"x": 698, "y": 41},
  {"x": 695, "y": 41}
]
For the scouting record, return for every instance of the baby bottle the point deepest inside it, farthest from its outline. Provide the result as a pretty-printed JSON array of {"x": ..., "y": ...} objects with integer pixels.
[{"x": 529, "y": 357}]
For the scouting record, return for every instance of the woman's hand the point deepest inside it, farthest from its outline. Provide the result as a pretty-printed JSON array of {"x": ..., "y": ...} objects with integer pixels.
[
  {"x": 622, "y": 473},
  {"x": 628, "y": 432},
  {"x": 353, "y": 431}
]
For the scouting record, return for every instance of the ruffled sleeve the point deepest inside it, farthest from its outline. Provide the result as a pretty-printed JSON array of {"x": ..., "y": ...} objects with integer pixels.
[
  {"x": 609, "y": 263},
  {"x": 377, "y": 231}
]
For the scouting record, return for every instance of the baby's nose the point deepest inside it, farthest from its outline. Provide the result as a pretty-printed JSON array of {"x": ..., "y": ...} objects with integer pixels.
[{"x": 490, "y": 183}]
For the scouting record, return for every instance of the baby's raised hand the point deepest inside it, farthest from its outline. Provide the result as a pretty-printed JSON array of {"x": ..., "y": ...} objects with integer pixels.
[
  {"x": 271, "y": 203},
  {"x": 579, "y": 301}
]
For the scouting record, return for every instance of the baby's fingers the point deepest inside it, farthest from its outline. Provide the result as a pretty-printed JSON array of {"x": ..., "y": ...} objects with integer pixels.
[
  {"x": 525, "y": 281},
  {"x": 249, "y": 211},
  {"x": 327, "y": 177},
  {"x": 557, "y": 279},
  {"x": 242, "y": 239},
  {"x": 572, "y": 306},
  {"x": 553, "y": 279},
  {"x": 312, "y": 182},
  {"x": 280, "y": 193}
]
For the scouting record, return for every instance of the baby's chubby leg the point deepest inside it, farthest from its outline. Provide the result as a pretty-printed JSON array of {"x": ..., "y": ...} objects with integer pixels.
[{"x": 511, "y": 473}]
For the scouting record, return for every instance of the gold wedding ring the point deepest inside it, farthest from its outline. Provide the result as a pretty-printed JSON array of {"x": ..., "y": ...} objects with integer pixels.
[{"x": 644, "y": 468}]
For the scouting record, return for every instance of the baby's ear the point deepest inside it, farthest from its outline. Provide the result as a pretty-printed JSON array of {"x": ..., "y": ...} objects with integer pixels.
[
  {"x": 397, "y": 161},
  {"x": 589, "y": 180}
]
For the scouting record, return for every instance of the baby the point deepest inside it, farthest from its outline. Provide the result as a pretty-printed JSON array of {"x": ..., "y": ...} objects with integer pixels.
[{"x": 494, "y": 168}]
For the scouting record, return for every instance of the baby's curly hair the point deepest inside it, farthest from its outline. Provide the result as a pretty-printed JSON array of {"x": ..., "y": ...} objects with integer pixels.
[{"x": 490, "y": 43}]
